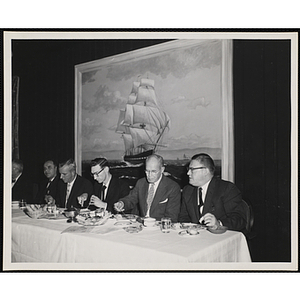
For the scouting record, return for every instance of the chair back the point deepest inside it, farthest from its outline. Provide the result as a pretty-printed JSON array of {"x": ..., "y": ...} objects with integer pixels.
[{"x": 249, "y": 215}]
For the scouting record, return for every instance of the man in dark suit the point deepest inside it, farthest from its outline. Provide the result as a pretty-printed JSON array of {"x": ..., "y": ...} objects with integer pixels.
[
  {"x": 49, "y": 186},
  {"x": 73, "y": 190},
  {"x": 108, "y": 189},
  {"x": 157, "y": 196},
  {"x": 210, "y": 200},
  {"x": 22, "y": 187}
]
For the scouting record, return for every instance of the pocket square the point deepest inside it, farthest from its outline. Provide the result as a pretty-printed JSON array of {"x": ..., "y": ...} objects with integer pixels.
[{"x": 164, "y": 201}]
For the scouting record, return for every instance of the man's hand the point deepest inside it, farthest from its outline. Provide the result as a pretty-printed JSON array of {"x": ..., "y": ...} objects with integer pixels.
[
  {"x": 97, "y": 202},
  {"x": 119, "y": 206},
  {"x": 210, "y": 220},
  {"x": 49, "y": 200},
  {"x": 82, "y": 198}
]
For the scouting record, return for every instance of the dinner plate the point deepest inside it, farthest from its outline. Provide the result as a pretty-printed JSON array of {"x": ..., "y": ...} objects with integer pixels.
[
  {"x": 50, "y": 216},
  {"x": 219, "y": 230},
  {"x": 88, "y": 223},
  {"x": 193, "y": 225},
  {"x": 133, "y": 229},
  {"x": 123, "y": 223},
  {"x": 185, "y": 233}
]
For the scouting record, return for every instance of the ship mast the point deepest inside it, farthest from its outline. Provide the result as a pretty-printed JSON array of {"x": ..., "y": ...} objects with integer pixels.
[{"x": 156, "y": 144}]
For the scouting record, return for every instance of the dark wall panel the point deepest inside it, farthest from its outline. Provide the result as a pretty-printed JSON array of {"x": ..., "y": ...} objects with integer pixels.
[{"x": 262, "y": 141}]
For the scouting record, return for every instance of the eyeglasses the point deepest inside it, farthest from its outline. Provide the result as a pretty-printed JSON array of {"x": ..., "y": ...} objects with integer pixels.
[
  {"x": 97, "y": 173},
  {"x": 152, "y": 171},
  {"x": 193, "y": 169}
]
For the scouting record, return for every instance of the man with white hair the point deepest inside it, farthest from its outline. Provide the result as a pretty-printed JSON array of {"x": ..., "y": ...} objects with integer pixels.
[
  {"x": 73, "y": 189},
  {"x": 156, "y": 195}
]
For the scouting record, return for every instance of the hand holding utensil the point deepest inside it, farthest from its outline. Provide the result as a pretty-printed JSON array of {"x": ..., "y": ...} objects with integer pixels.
[{"x": 82, "y": 198}]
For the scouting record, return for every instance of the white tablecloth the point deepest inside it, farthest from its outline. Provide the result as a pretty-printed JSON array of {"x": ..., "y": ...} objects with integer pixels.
[{"x": 42, "y": 241}]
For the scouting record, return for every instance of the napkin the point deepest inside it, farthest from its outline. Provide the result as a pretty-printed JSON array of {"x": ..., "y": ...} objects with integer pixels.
[{"x": 77, "y": 229}]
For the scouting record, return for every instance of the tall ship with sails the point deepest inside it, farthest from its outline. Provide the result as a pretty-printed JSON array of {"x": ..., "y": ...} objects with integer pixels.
[{"x": 142, "y": 123}]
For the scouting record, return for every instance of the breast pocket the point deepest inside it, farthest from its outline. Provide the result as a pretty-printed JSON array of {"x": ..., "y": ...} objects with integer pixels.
[{"x": 164, "y": 201}]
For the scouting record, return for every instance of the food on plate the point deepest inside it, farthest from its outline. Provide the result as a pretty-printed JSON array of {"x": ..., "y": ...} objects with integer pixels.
[
  {"x": 93, "y": 218},
  {"x": 192, "y": 231}
]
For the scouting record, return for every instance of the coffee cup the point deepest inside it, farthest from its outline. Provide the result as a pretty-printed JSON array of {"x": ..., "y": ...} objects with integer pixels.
[{"x": 149, "y": 222}]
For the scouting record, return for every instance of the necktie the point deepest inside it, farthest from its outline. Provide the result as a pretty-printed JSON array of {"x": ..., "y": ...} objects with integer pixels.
[
  {"x": 103, "y": 192},
  {"x": 150, "y": 196},
  {"x": 68, "y": 192},
  {"x": 200, "y": 199},
  {"x": 48, "y": 184}
]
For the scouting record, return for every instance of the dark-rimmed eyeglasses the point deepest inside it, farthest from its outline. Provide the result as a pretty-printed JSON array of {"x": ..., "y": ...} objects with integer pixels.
[
  {"x": 193, "y": 169},
  {"x": 97, "y": 173}
]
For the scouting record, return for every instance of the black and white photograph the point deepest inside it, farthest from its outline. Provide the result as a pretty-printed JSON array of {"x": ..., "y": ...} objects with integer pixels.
[{"x": 150, "y": 151}]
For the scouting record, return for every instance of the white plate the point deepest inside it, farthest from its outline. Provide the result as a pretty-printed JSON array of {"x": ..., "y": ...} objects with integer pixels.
[
  {"x": 123, "y": 223},
  {"x": 185, "y": 233}
]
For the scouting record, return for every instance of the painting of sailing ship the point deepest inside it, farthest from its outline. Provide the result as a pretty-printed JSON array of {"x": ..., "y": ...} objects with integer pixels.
[
  {"x": 165, "y": 99},
  {"x": 142, "y": 123}
]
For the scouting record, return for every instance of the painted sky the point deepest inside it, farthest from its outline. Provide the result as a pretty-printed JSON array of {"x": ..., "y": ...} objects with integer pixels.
[{"x": 188, "y": 88}]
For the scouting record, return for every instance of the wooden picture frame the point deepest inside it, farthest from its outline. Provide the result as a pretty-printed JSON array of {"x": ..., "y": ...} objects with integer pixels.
[{"x": 102, "y": 86}]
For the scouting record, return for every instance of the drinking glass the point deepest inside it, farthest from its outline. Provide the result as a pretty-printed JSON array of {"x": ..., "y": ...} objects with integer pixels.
[
  {"x": 22, "y": 204},
  {"x": 165, "y": 225}
]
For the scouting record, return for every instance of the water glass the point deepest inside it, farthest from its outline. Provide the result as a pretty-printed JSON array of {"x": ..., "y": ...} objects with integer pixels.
[
  {"x": 51, "y": 208},
  {"x": 165, "y": 225},
  {"x": 22, "y": 204}
]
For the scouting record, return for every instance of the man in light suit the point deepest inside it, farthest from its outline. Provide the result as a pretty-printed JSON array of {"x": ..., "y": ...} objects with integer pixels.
[
  {"x": 210, "y": 200},
  {"x": 157, "y": 196},
  {"x": 108, "y": 189},
  {"x": 73, "y": 190}
]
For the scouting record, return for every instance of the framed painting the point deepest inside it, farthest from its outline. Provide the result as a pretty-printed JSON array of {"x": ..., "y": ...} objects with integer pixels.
[{"x": 174, "y": 99}]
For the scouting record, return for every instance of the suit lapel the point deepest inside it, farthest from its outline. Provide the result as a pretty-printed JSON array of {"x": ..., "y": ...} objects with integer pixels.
[
  {"x": 144, "y": 194},
  {"x": 73, "y": 192},
  {"x": 194, "y": 203},
  {"x": 209, "y": 197},
  {"x": 159, "y": 194}
]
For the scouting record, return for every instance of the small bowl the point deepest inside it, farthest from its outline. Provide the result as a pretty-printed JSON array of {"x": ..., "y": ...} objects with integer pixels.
[{"x": 149, "y": 222}]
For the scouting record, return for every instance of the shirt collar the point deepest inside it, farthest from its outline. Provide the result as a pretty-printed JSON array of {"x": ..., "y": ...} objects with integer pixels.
[{"x": 72, "y": 182}]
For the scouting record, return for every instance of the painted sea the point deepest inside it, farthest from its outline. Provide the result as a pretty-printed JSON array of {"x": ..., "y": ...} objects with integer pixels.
[{"x": 176, "y": 162}]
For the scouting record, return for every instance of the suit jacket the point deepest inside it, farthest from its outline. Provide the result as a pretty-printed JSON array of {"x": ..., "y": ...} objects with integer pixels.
[
  {"x": 22, "y": 189},
  {"x": 166, "y": 201},
  {"x": 51, "y": 190},
  {"x": 80, "y": 186},
  {"x": 117, "y": 189},
  {"x": 223, "y": 200}
]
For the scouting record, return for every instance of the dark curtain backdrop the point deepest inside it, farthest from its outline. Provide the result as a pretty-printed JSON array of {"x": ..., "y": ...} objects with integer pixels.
[{"x": 261, "y": 117}]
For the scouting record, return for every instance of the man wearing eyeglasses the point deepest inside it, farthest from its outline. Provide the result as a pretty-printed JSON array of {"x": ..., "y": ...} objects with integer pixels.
[
  {"x": 209, "y": 200},
  {"x": 108, "y": 189},
  {"x": 156, "y": 195}
]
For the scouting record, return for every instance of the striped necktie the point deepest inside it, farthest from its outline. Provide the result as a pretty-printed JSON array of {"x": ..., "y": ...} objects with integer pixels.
[
  {"x": 68, "y": 192},
  {"x": 150, "y": 195}
]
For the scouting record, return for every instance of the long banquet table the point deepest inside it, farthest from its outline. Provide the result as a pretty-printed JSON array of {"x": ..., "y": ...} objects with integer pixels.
[{"x": 42, "y": 241}]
